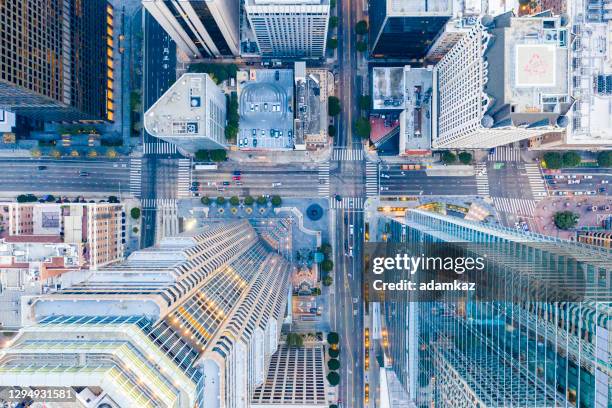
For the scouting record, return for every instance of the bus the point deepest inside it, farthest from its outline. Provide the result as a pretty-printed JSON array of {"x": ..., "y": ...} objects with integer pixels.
[{"x": 205, "y": 167}]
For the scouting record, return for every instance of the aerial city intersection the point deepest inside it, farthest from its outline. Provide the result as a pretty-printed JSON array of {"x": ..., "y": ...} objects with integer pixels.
[{"x": 193, "y": 195}]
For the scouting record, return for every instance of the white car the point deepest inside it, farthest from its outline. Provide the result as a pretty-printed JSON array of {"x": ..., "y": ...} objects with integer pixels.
[
  {"x": 384, "y": 175},
  {"x": 588, "y": 177},
  {"x": 277, "y": 184}
]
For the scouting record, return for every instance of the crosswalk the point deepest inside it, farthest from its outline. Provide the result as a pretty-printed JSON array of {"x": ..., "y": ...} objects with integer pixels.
[
  {"x": 348, "y": 203},
  {"x": 136, "y": 177},
  {"x": 505, "y": 154},
  {"x": 517, "y": 206},
  {"x": 160, "y": 147},
  {"x": 151, "y": 203},
  {"x": 184, "y": 178},
  {"x": 536, "y": 182},
  {"x": 323, "y": 179},
  {"x": 347, "y": 154},
  {"x": 482, "y": 180},
  {"x": 371, "y": 183}
]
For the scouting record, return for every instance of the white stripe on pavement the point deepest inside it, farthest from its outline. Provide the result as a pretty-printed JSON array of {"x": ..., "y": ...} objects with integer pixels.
[
  {"x": 536, "y": 181},
  {"x": 506, "y": 154},
  {"x": 323, "y": 187},
  {"x": 371, "y": 179},
  {"x": 517, "y": 206},
  {"x": 347, "y": 154},
  {"x": 348, "y": 203},
  {"x": 482, "y": 180},
  {"x": 184, "y": 178},
  {"x": 135, "y": 177}
]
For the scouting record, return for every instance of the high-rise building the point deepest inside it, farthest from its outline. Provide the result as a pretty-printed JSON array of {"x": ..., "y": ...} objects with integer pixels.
[
  {"x": 505, "y": 81},
  {"x": 289, "y": 28},
  {"x": 192, "y": 322},
  {"x": 511, "y": 351},
  {"x": 190, "y": 114},
  {"x": 56, "y": 59},
  {"x": 406, "y": 29},
  {"x": 201, "y": 28}
]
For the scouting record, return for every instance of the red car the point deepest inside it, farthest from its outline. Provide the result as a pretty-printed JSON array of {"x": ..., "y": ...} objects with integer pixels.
[{"x": 235, "y": 178}]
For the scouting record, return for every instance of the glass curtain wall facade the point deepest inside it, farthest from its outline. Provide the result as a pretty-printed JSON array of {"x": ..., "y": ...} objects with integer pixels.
[{"x": 465, "y": 353}]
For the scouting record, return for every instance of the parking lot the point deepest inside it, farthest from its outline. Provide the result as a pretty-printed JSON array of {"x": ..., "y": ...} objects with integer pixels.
[{"x": 266, "y": 110}]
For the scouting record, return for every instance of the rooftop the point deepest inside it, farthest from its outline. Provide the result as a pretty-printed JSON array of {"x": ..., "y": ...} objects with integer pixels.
[
  {"x": 181, "y": 110},
  {"x": 399, "y": 8},
  {"x": 387, "y": 88},
  {"x": 286, "y": 2},
  {"x": 311, "y": 100},
  {"x": 415, "y": 120}
]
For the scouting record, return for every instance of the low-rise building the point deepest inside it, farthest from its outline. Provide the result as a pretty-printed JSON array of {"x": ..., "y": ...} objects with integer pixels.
[
  {"x": 191, "y": 114},
  {"x": 311, "y": 92}
]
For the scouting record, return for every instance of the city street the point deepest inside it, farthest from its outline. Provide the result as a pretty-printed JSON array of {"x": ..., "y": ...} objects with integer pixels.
[{"x": 395, "y": 181}]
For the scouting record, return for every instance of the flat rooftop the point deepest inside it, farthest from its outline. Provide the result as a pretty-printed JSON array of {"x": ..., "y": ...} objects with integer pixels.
[
  {"x": 415, "y": 120},
  {"x": 286, "y": 2},
  {"x": 387, "y": 88},
  {"x": 311, "y": 100},
  {"x": 399, "y": 8},
  {"x": 181, "y": 110},
  {"x": 266, "y": 109}
]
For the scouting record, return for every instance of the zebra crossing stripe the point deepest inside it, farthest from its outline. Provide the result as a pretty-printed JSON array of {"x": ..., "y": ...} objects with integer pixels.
[
  {"x": 505, "y": 154},
  {"x": 348, "y": 203},
  {"x": 159, "y": 148},
  {"x": 135, "y": 177},
  {"x": 371, "y": 179},
  {"x": 482, "y": 180},
  {"x": 152, "y": 203},
  {"x": 536, "y": 181},
  {"x": 184, "y": 178},
  {"x": 323, "y": 187},
  {"x": 347, "y": 154},
  {"x": 517, "y": 206}
]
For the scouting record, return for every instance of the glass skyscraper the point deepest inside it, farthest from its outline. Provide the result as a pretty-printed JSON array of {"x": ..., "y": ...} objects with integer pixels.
[{"x": 502, "y": 353}]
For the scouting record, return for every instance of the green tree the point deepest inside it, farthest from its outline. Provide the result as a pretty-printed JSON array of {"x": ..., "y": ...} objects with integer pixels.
[
  {"x": 231, "y": 133},
  {"x": 205, "y": 200},
  {"x": 202, "y": 155},
  {"x": 327, "y": 265},
  {"x": 363, "y": 128},
  {"x": 295, "y": 340},
  {"x": 361, "y": 27},
  {"x": 333, "y": 353},
  {"x": 333, "y": 106},
  {"x": 604, "y": 159},
  {"x": 465, "y": 157},
  {"x": 234, "y": 200},
  {"x": 333, "y": 338},
  {"x": 332, "y": 43},
  {"x": 448, "y": 157},
  {"x": 315, "y": 291},
  {"x": 333, "y": 378},
  {"x": 218, "y": 155},
  {"x": 332, "y": 3},
  {"x": 553, "y": 160},
  {"x": 333, "y": 364},
  {"x": 220, "y": 200},
  {"x": 361, "y": 46},
  {"x": 565, "y": 219},
  {"x": 326, "y": 248},
  {"x": 365, "y": 101},
  {"x": 261, "y": 200},
  {"x": 333, "y": 22},
  {"x": 571, "y": 159},
  {"x": 331, "y": 130},
  {"x": 135, "y": 213},
  {"x": 333, "y": 406},
  {"x": 248, "y": 200},
  {"x": 328, "y": 280},
  {"x": 276, "y": 201},
  {"x": 50, "y": 198},
  {"x": 27, "y": 198}
]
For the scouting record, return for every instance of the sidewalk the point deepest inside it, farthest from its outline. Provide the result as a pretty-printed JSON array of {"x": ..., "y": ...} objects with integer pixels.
[{"x": 281, "y": 157}]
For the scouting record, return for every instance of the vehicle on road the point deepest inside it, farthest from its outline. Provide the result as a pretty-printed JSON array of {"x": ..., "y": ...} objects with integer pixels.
[
  {"x": 239, "y": 183},
  {"x": 605, "y": 181},
  {"x": 237, "y": 172},
  {"x": 193, "y": 188},
  {"x": 205, "y": 167},
  {"x": 277, "y": 184},
  {"x": 254, "y": 142},
  {"x": 195, "y": 183},
  {"x": 384, "y": 188},
  {"x": 83, "y": 174},
  {"x": 235, "y": 178},
  {"x": 42, "y": 167},
  {"x": 226, "y": 183},
  {"x": 384, "y": 175}
]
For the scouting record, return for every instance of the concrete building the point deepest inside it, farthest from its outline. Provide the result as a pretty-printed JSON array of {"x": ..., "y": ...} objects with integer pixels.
[
  {"x": 289, "y": 28},
  {"x": 601, "y": 238},
  {"x": 510, "y": 350},
  {"x": 506, "y": 81},
  {"x": 201, "y": 28},
  {"x": 406, "y": 29},
  {"x": 191, "y": 114},
  {"x": 56, "y": 59},
  {"x": 311, "y": 92},
  {"x": 192, "y": 322}
]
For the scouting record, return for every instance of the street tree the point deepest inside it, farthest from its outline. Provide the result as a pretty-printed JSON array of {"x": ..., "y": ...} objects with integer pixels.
[
  {"x": 234, "y": 200},
  {"x": 565, "y": 219},
  {"x": 248, "y": 200},
  {"x": 571, "y": 159},
  {"x": 465, "y": 157},
  {"x": 448, "y": 157},
  {"x": 333, "y": 106},
  {"x": 333, "y": 22},
  {"x": 218, "y": 155},
  {"x": 135, "y": 213},
  {"x": 205, "y": 200},
  {"x": 332, "y": 43},
  {"x": 604, "y": 159},
  {"x": 328, "y": 280},
  {"x": 295, "y": 340},
  {"x": 361, "y": 46},
  {"x": 333, "y": 353},
  {"x": 327, "y": 265},
  {"x": 333, "y": 338},
  {"x": 202, "y": 155},
  {"x": 363, "y": 127},
  {"x": 553, "y": 160},
  {"x": 361, "y": 27},
  {"x": 333, "y": 364},
  {"x": 262, "y": 200},
  {"x": 333, "y": 378},
  {"x": 331, "y": 130},
  {"x": 276, "y": 201},
  {"x": 220, "y": 200},
  {"x": 365, "y": 102}
]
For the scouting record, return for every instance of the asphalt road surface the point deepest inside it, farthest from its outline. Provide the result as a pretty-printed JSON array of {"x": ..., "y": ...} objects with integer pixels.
[
  {"x": 417, "y": 182},
  {"x": 63, "y": 176}
]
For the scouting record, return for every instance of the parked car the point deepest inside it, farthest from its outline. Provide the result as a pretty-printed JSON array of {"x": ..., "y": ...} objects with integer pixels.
[
  {"x": 235, "y": 178},
  {"x": 42, "y": 167},
  {"x": 226, "y": 183},
  {"x": 254, "y": 142}
]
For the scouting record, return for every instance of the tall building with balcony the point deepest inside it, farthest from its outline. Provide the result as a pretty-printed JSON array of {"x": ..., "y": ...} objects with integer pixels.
[
  {"x": 513, "y": 351},
  {"x": 406, "y": 29},
  {"x": 56, "y": 59},
  {"x": 192, "y": 322},
  {"x": 289, "y": 28},
  {"x": 505, "y": 81},
  {"x": 190, "y": 114},
  {"x": 201, "y": 28}
]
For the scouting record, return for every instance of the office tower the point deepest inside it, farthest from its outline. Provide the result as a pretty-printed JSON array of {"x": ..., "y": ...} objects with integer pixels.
[
  {"x": 190, "y": 114},
  {"x": 201, "y": 28},
  {"x": 406, "y": 29},
  {"x": 192, "y": 322},
  {"x": 289, "y": 28},
  {"x": 56, "y": 59},
  {"x": 510, "y": 351},
  {"x": 507, "y": 80}
]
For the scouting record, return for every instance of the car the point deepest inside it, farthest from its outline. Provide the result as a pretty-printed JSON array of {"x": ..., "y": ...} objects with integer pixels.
[
  {"x": 579, "y": 193},
  {"x": 235, "y": 178},
  {"x": 254, "y": 142},
  {"x": 193, "y": 189},
  {"x": 350, "y": 252},
  {"x": 277, "y": 135},
  {"x": 226, "y": 183},
  {"x": 290, "y": 134},
  {"x": 351, "y": 229},
  {"x": 252, "y": 107},
  {"x": 573, "y": 181},
  {"x": 590, "y": 192},
  {"x": 384, "y": 175},
  {"x": 254, "y": 132},
  {"x": 277, "y": 184},
  {"x": 384, "y": 188},
  {"x": 211, "y": 183},
  {"x": 605, "y": 181},
  {"x": 266, "y": 106},
  {"x": 263, "y": 132},
  {"x": 195, "y": 183},
  {"x": 587, "y": 177},
  {"x": 237, "y": 172},
  {"x": 239, "y": 183},
  {"x": 559, "y": 176},
  {"x": 602, "y": 189},
  {"x": 196, "y": 194},
  {"x": 271, "y": 132},
  {"x": 281, "y": 132},
  {"x": 245, "y": 141},
  {"x": 220, "y": 188},
  {"x": 573, "y": 176},
  {"x": 548, "y": 177},
  {"x": 256, "y": 108},
  {"x": 240, "y": 143},
  {"x": 276, "y": 75},
  {"x": 42, "y": 167},
  {"x": 83, "y": 174}
]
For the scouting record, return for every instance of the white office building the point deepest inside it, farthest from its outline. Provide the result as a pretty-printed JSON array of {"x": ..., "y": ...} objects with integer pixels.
[
  {"x": 201, "y": 28},
  {"x": 505, "y": 81},
  {"x": 190, "y": 114},
  {"x": 289, "y": 28}
]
